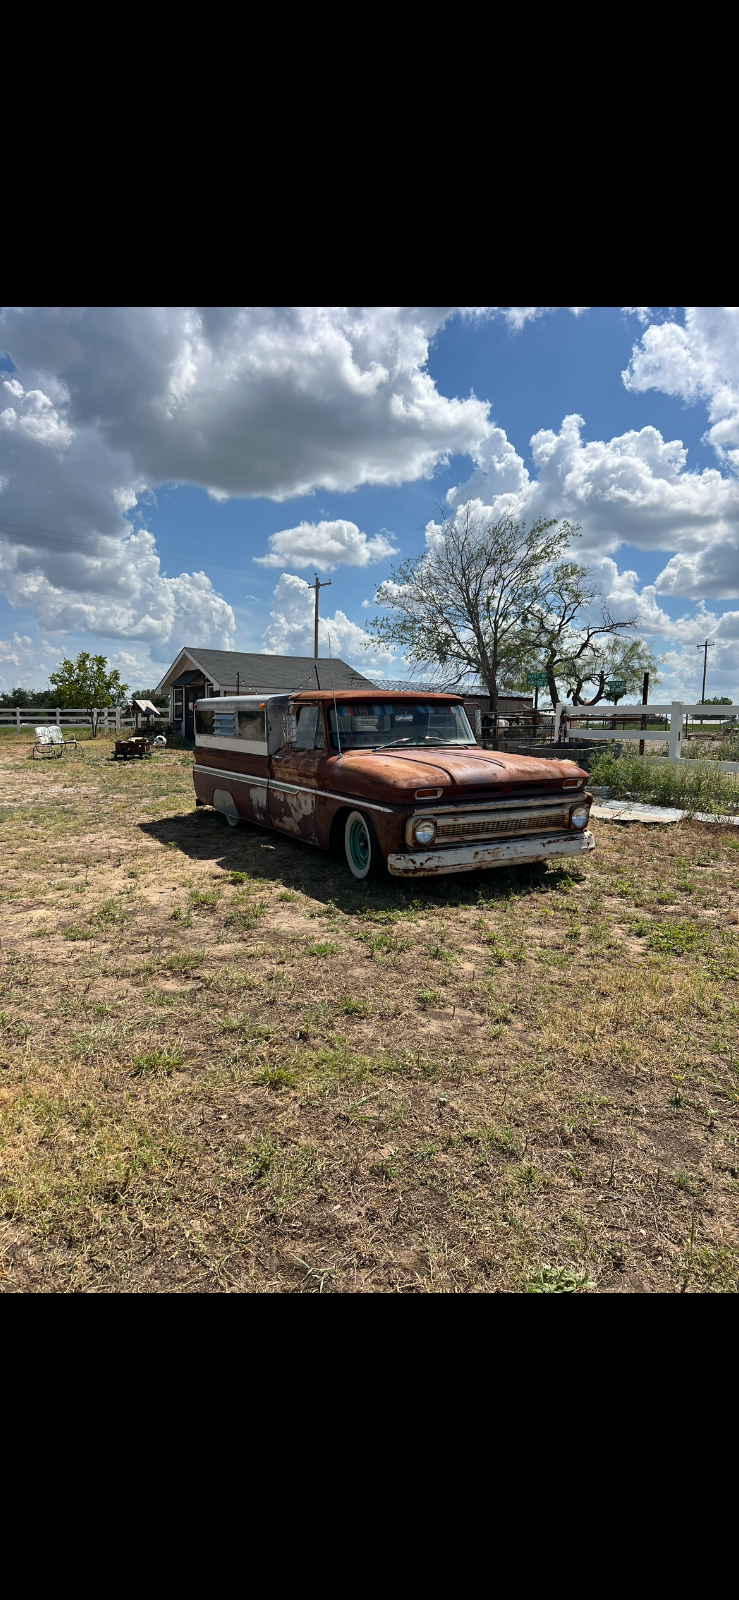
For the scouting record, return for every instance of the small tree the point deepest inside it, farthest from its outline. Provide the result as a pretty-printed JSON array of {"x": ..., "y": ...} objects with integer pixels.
[
  {"x": 592, "y": 657},
  {"x": 87, "y": 684}
]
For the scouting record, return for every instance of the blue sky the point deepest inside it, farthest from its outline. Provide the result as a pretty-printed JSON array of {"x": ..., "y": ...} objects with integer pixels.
[{"x": 148, "y": 457}]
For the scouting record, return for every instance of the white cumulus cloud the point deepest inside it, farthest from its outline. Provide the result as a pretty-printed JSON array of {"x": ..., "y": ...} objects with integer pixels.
[
  {"x": 697, "y": 360},
  {"x": 325, "y": 545},
  {"x": 105, "y": 404},
  {"x": 20, "y": 660},
  {"x": 117, "y": 592},
  {"x": 251, "y": 400},
  {"x": 636, "y": 488}
]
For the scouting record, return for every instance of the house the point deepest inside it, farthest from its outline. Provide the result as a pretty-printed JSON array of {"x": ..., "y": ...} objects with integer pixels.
[{"x": 196, "y": 674}]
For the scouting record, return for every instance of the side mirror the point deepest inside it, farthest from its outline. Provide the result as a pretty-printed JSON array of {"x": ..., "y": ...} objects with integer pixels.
[{"x": 290, "y": 729}]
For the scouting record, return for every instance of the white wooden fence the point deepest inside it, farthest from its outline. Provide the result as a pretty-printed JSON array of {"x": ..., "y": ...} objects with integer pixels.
[
  {"x": 110, "y": 718},
  {"x": 568, "y": 720}
]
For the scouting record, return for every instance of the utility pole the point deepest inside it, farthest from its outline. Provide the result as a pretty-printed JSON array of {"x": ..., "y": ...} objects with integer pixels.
[
  {"x": 705, "y": 647},
  {"x": 317, "y": 586},
  {"x": 644, "y": 699}
]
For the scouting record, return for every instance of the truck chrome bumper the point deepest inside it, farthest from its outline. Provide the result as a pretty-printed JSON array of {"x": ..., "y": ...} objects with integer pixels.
[{"x": 475, "y": 857}]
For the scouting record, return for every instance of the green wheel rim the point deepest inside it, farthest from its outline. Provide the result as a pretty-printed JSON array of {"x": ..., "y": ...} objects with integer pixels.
[{"x": 359, "y": 845}]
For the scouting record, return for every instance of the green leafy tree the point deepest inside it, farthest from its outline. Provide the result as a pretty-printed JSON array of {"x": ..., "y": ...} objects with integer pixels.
[
  {"x": 579, "y": 657},
  {"x": 86, "y": 684},
  {"x": 580, "y": 666},
  {"x": 493, "y": 599}
]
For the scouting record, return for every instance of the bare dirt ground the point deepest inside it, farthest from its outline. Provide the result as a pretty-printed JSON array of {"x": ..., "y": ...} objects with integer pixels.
[{"x": 224, "y": 1067}]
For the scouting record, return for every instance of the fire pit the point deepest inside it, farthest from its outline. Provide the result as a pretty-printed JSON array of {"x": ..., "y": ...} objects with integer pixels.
[{"x": 126, "y": 748}]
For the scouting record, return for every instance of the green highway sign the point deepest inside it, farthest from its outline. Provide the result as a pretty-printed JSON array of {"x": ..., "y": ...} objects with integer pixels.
[
  {"x": 536, "y": 680},
  {"x": 617, "y": 687}
]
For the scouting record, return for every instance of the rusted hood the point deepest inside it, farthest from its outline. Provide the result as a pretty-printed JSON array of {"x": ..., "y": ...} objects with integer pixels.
[{"x": 395, "y": 775}]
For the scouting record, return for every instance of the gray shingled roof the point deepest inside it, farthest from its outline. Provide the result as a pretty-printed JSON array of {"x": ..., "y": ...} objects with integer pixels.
[{"x": 273, "y": 673}]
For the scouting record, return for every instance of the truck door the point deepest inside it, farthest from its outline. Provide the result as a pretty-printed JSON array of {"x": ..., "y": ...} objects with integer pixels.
[{"x": 292, "y": 802}]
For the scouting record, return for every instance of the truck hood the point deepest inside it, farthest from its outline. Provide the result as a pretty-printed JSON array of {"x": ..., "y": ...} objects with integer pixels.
[{"x": 395, "y": 774}]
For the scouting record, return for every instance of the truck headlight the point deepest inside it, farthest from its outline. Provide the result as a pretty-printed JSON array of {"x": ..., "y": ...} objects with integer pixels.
[
  {"x": 424, "y": 832},
  {"x": 579, "y": 817}
]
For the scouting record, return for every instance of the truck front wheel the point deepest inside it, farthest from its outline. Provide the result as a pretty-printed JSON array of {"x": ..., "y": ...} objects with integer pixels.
[{"x": 363, "y": 854}]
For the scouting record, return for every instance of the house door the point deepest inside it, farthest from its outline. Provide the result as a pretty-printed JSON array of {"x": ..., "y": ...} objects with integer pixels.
[{"x": 191, "y": 695}]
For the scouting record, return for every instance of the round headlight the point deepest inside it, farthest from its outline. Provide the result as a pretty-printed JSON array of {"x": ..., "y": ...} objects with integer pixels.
[
  {"x": 424, "y": 832},
  {"x": 579, "y": 817}
]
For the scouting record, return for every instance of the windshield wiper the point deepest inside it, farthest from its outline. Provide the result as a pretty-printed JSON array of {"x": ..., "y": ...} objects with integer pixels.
[{"x": 407, "y": 739}]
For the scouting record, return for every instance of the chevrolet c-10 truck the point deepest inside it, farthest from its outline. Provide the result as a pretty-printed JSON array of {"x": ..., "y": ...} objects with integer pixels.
[{"x": 395, "y": 782}]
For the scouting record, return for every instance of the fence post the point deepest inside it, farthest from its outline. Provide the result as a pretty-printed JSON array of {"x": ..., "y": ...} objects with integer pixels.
[
  {"x": 58, "y": 718},
  {"x": 674, "y": 746},
  {"x": 17, "y": 716},
  {"x": 117, "y": 719}
]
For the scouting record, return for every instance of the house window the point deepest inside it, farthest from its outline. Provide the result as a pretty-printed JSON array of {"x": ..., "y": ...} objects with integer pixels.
[{"x": 178, "y": 705}]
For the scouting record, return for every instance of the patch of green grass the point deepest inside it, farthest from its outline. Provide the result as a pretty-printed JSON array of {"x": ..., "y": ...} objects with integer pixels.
[
  {"x": 185, "y": 960},
  {"x": 326, "y": 949},
  {"x": 75, "y": 934},
  {"x": 157, "y": 1060},
  {"x": 494, "y": 1135},
  {"x": 204, "y": 897},
  {"x": 384, "y": 944},
  {"x": 558, "y": 1280},
  {"x": 243, "y": 918},
  {"x": 15, "y": 1030},
  {"x": 692, "y": 786},
  {"x": 677, "y": 938},
  {"x": 355, "y": 1008},
  {"x": 111, "y": 913},
  {"x": 275, "y": 1077},
  {"x": 685, "y": 1180},
  {"x": 428, "y": 997}
]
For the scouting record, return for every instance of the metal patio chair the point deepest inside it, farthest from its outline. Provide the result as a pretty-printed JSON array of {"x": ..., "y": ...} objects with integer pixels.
[{"x": 50, "y": 742}]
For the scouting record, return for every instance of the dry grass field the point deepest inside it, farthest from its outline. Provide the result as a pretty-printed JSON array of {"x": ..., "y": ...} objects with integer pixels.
[{"x": 226, "y": 1068}]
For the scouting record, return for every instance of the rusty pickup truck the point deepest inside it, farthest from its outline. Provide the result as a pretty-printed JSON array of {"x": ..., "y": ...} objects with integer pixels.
[{"x": 395, "y": 782}]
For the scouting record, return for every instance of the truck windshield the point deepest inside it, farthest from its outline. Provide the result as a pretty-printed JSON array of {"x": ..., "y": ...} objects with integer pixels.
[{"x": 372, "y": 725}]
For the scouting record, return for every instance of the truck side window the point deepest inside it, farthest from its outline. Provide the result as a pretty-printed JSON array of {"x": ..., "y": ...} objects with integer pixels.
[
  {"x": 310, "y": 728},
  {"x": 252, "y": 724}
]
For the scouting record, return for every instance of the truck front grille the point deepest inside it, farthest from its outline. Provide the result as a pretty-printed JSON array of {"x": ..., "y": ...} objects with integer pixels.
[{"x": 491, "y": 825}]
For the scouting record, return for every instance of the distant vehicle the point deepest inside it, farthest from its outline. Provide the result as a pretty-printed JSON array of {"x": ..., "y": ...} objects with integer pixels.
[{"x": 393, "y": 781}]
